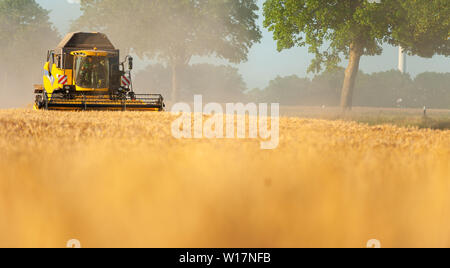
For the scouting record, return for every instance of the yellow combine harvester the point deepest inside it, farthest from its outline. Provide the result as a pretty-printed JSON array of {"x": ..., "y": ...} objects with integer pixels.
[{"x": 84, "y": 73}]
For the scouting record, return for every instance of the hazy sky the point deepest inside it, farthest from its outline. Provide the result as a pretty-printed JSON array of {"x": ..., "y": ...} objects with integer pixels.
[{"x": 265, "y": 63}]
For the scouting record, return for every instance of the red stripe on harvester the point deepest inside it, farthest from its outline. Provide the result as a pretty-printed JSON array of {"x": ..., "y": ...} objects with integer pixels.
[
  {"x": 125, "y": 81},
  {"x": 62, "y": 80}
]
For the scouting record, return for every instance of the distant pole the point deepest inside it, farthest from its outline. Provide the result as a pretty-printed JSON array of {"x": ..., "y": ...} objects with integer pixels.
[{"x": 401, "y": 60}]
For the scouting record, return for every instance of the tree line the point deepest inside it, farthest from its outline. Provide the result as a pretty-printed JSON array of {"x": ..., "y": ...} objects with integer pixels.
[
  {"x": 222, "y": 84},
  {"x": 390, "y": 89},
  {"x": 215, "y": 83},
  {"x": 172, "y": 32}
]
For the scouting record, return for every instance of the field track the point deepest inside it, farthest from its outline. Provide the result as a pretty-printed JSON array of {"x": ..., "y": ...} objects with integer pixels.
[{"x": 121, "y": 179}]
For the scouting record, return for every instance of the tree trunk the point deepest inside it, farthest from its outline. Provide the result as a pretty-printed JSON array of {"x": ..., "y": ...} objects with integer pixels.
[
  {"x": 350, "y": 77},
  {"x": 174, "y": 83},
  {"x": 4, "y": 101},
  {"x": 2, "y": 81},
  {"x": 5, "y": 81}
]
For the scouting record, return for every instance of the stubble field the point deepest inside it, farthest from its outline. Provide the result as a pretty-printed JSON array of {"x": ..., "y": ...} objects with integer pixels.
[{"x": 122, "y": 180}]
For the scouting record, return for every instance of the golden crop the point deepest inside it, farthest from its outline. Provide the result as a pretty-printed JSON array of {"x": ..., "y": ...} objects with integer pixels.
[{"x": 121, "y": 179}]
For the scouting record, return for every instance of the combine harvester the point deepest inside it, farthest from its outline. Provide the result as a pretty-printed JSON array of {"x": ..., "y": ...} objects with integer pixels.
[{"x": 84, "y": 73}]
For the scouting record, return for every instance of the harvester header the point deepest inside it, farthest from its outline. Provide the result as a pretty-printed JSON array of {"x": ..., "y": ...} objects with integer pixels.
[{"x": 84, "y": 72}]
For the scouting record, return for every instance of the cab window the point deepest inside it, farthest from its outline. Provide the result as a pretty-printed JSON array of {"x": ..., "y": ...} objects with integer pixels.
[{"x": 92, "y": 72}]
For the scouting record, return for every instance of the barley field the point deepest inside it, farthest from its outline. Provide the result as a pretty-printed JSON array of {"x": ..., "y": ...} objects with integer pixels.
[{"x": 114, "y": 179}]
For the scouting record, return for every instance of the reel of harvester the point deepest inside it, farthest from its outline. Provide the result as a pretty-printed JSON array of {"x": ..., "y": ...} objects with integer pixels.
[{"x": 85, "y": 102}]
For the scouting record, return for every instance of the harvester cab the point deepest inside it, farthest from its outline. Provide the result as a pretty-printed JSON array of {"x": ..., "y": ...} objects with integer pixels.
[{"x": 84, "y": 73}]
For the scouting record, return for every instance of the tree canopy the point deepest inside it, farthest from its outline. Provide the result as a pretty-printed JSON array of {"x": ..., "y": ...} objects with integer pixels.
[
  {"x": 328, "y": 27},
  {"x": 425, "y": 29},
  {"x": 24, "y": 27},
  {"x": 173, "y": 31}
]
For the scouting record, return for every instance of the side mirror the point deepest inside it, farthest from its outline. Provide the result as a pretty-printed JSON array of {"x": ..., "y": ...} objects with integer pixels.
[{"x": 130, "y": 63}]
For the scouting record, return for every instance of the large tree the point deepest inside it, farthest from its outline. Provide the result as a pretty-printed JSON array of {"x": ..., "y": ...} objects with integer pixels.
[
  {"x": 25, "y": 36},
  {"x": 173, "y": 31},
  {"x": 354, "y": 28}
]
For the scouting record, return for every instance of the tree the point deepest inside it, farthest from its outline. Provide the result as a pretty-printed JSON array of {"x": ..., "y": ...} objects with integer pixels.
[
  {"x": 326, "y": 87},
  {"x": 25, "y": 36},
  {"x": 289, "y": 90},
  {"x": 386, "y": 89},
  {"x": 433, "y": 89},
  {"x": 215, "y": 83},
  {"x": 154, "y": 78},
  {"x": 354, "y": 28},
  {"x": 173, "y": 31}
]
